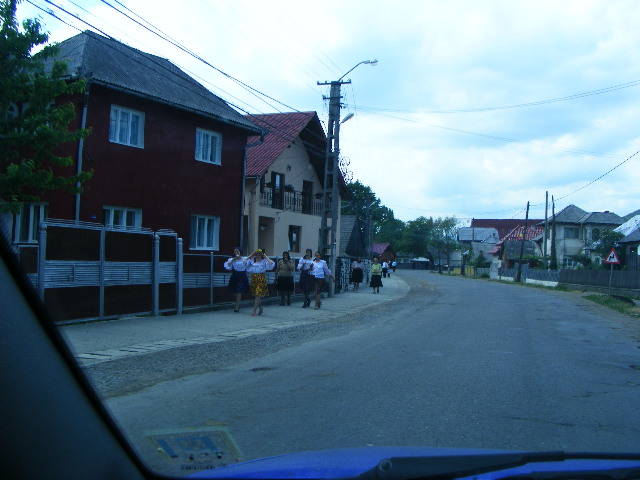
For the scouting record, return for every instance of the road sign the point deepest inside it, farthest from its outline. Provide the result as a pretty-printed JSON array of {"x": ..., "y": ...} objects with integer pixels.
[{"x": 612, "y": 258}]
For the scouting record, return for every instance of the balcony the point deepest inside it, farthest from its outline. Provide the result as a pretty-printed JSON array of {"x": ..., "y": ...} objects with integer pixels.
[{"x": 293, "y": 201}]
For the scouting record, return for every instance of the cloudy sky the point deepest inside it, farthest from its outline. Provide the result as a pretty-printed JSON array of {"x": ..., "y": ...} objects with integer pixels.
[{"x": 434, "y": 58}]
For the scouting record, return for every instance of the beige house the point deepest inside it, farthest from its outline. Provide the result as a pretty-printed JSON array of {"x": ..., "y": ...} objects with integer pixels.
[{"x": 283, "y": 184}]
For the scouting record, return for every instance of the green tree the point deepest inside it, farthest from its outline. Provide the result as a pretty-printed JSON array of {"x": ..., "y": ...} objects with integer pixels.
[
  {"x": 444, "y": 239},
  {"x": 417, "y": 236},
  {"x": 34, "y": 122}
]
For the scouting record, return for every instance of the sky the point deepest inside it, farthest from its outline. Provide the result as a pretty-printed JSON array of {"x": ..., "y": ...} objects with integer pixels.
[{"x": 404, "y": 141}]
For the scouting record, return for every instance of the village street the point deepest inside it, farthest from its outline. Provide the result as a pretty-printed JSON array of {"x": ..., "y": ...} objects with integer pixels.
[{"x": 453, "y": 363}]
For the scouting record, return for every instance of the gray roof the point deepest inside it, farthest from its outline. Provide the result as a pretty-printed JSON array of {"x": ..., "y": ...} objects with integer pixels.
[
  {"x": 629, "y": 226},
  {"x": 570, "y": 214},
  {"x": 605, "y": 218},
  {"x": 116, "y": 65},
  {"x": 352, "y": 242},
  {"x": 478, "y": 234},
  {"x": 629, "y": 216},
  {"x": 346, "y": 228},
  {"x": 633, "y": 237}
]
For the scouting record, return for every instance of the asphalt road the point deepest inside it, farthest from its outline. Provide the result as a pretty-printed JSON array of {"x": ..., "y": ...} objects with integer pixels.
[{"x": 456, "y": 363}]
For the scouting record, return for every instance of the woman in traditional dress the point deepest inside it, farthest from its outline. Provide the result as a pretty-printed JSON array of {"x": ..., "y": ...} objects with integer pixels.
[
  {"x": 239, "y": 282},
  {"x": 306, "y": 280},
  {"x": 257, "y": 264},
  {"x": 319, "y": 271},
  {"x": 356, "y": 274},
  {"x": 376, "y": 275},
  {"x": 285, "y": 270}
]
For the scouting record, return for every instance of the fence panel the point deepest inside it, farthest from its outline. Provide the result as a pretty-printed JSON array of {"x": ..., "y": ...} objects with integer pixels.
[{"x": 620, "y": 279}]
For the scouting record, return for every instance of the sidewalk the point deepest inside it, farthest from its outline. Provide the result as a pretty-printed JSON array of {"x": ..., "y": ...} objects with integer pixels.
[{"x": 99, "y": 342}]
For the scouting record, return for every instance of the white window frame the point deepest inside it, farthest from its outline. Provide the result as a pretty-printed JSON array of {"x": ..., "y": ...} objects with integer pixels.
[
  {"x": 114, "y": 133},
  {"x": 109, "y": 213},
  {"x": 32, "y": 230},
  {"x": 210, "y": 238},
  {"x": 208, "y": 154}
]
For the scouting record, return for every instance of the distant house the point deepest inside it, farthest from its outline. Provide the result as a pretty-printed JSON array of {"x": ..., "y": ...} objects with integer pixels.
[
  {"x": 475, "y": 241},
  {"x": 631, "y": 241},
  {"x": 352, "y": 237},
  {"x": 576, "y": 232},
  {"x": 166, "y": 153},
  {"x": 502, "y": 225},
  {"x": 520, "y": 239},
  {"x": 383, "y": 251},
  {"x": 283, "y": 202}
]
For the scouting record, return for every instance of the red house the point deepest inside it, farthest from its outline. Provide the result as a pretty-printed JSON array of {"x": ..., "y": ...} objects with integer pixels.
[{"x": 166, "y": 153}]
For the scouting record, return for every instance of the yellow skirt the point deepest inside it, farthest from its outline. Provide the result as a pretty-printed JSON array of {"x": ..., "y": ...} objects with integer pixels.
[{"x": 259, "y": 285}]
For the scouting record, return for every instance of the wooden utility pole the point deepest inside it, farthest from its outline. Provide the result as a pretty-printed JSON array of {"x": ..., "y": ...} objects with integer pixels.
[
  {"x": 331, "y": 177},
  {"x": 546, "y": 231},
  {"x": 554, "y": 257},
  {"x": 524, "y": 235}
]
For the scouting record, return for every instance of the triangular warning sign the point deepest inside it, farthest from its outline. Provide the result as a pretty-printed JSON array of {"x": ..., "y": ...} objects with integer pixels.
[{"x": 612, "y": 257}]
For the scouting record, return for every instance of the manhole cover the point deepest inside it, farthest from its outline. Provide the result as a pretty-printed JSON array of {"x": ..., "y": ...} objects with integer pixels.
[{"x": 194, "y": 449}]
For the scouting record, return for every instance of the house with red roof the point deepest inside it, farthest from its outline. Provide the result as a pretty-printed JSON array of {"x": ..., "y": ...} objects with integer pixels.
[
  {"x": 283, "y": 202},
  {"x": 384, "y": 251}
]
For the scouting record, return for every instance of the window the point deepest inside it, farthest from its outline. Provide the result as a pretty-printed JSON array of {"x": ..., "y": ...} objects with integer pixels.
[
  {"x": 27, "y": 222},
  {"x": 205, "y": 232},
  {"x": 126, "y": 127},
  {"x": 571, "y": 232},
  {"x": 208, "y": 146},
  {"x": 294, "y": 238},
  {"x": 121, "y": 217}
]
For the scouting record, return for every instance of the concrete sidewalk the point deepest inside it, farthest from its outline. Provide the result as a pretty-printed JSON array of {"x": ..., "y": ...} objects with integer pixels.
[{"x": 99, "y": 342}]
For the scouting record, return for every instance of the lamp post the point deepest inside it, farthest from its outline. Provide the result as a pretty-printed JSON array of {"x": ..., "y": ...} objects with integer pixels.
[{"x": 331, "y": 168}]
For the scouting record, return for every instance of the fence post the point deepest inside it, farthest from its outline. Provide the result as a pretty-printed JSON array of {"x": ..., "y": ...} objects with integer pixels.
[
  {"x": 210, "y": 278},
  {"x": 155, "y": 275},
  {"x": 101, "y": 273},
  {"x": 42, "y": 258},
  {"x": 179, "y": 275}
]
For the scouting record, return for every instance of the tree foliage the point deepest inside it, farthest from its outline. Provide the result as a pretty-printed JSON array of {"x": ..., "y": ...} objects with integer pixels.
[{"x": 34, "y": 123}]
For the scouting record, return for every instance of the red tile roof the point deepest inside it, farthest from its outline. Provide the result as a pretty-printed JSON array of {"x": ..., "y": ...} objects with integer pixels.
[
  {"x": 530, "y": 233},
  {"x": 503, "y": 225},
  {"x": 281, "y": 130}
]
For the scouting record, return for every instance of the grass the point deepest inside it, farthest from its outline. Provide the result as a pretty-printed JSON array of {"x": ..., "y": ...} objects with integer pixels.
[{"x": 617, "y": 304}]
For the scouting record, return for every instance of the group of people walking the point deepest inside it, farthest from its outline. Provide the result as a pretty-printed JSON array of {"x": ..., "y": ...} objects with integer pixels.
[
  {"x": 313, "y": 272},
  {"x": 248, "y": 274}
]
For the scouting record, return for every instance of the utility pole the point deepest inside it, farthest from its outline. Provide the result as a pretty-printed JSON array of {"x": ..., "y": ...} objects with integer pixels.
[
  {"x": 331, "y": 176},
  {"x": 546, "y": 226},
  {"x": 524, "y": 235},
  {"x": 554, "y": 257}
]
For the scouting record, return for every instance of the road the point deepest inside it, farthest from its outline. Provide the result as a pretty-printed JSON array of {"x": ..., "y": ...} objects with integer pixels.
[{"x": 456, "y": 363}]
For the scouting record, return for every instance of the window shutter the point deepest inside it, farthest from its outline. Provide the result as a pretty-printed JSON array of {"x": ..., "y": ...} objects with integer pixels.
[
  {"x": 113, "y": 125},
  {"x": 216, "y": 233},
  {"x": 194, "y": 228}
]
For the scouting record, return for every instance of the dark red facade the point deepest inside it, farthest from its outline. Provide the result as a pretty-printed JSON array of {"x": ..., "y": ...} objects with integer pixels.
[{"x": 163, "y": 179}]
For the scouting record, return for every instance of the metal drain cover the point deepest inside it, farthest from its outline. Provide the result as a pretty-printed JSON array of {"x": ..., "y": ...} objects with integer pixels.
[{"x": 194, "y": 449}]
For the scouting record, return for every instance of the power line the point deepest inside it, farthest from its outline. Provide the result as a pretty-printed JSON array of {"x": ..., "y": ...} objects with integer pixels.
[
  {"x": 484, "y": 135},
  {"x": 588, "y": 93}
]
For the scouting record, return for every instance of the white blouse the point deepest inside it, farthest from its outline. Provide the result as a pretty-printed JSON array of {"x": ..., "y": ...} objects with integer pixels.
[
  {"x": 239, "y": 265},
  {"x": 355, "y": 265},
  {"x": 320, "y": 269},
  {"x": 305, "y": 264},
  {"x": 260, "y": 266}
]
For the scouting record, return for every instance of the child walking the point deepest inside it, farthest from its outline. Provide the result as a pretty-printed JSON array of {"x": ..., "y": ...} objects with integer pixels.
[{"x": 285, "y": 278}]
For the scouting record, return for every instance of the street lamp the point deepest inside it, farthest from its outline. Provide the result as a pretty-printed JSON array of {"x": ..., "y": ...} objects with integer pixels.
[{"x": 331, "y": 164}]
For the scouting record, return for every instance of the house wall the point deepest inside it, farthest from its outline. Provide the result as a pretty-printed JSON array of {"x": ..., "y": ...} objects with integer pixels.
[
  {"x": 568, "y": 247},
  {"x": 163, "y": 178},
  {"x": 294, "y": 163}
]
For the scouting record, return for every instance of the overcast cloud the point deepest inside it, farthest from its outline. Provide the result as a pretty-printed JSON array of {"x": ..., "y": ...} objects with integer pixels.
[{"x": 433, "y": 56}]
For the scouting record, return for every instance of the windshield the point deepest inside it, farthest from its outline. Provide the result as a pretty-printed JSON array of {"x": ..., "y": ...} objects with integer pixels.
[{"x": 267, "y": 228}]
